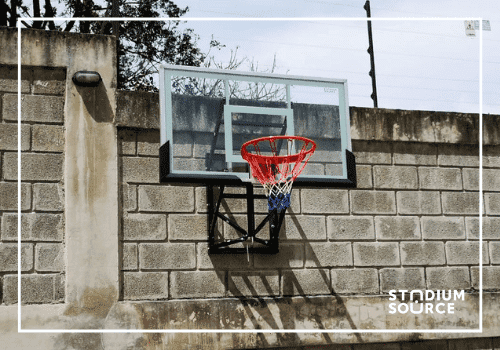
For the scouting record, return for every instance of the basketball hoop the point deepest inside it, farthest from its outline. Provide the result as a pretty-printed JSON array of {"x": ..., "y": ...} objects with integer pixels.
[{"x": 277, "y": 173}]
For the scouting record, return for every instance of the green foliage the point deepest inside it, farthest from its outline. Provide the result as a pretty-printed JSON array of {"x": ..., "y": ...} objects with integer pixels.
[{"x": 141, "y": 45}]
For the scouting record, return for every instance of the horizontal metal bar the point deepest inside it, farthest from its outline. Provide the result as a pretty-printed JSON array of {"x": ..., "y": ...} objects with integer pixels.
[
  {"x": 242, "y": 195},
  {"x": 258, "y": 110},
  {"x": 268, "y": 125},
  {"x": 233, "y": 241},
  {"x": 231, "y": 74}
]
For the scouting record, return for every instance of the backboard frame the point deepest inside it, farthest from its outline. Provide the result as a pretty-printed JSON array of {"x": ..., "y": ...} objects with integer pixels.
[{"x": 168, "y": 174}]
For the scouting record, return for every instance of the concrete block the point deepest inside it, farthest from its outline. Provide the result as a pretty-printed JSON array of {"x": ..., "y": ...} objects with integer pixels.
[
  {"x": 127, "y": 142},
  {"x": 253, "y": 283},
  {"x": 328, "y": 254},
  {"x": 443, "y": 228},
  {"x": 402, "y": 278},
  {"x": 357, "y": 281},
  {"x": 9, "y": 227},
  {"x": 422, "y": 253},
  {"x": 8, "y": 79},
  {"x": 376, "y": 254},
  {"x": 491, "y": 228},
  {"x": 492, "y": 203},
  {"x": 373, "y": 202},
  {"x": 491, "y": 179},
  {"x": 8, "y": 196},
  {"x": 491, "y": 277},
  {"x": 304, "y": 227},
  {"x": 460, "y": 202},
  {"x": 412, "y": 153},
  {"x": 130, "y": 260},
  {"x": 491, "y": 156},
  {"x": 145, "y": 285},
  {"x": 48, "y": 197},
  {"x": 8, "y": 257},
  {"x": 188, "y": 227},
  {"x": 324, "y": 201},
  {"x": 148, "y": 143},
  {"x": 418, "y": 203},
  {"x": 185, "y": 143},
  {"x": 372, "y": 152},
  {"x": 34, "y": 289},
  {"x": 167, "y": 256},
  {"x": 472, "y": 227},
  {"x": 220, "y": 262},
  {"x": 42, "y": 109},
  {"x": 465, "y": 253},
  {"x": 448, "y": 278},
  {"x": 197, "y": 284},
  {"x": 129, "y": 197},
  {"x": 471, "y": 179},
  {"x": 459, "y": 155},
  {"x": 440, "y": 178},
  {"x": 34, "y": 227},
  {"x": 47, "y": 138},
  {"x": 49, "y": 257},
  {"x": 47, "y": 227},
  {"x": 350, "y": 228},
  {"x": 306, "y": 282},
  {"x": 397, "y": 177},
  {"x": 397, "y": 227},
  {"x": 172, "y": 199},
  {"x": 495, "y": 252},
  {"x": 34, "y": 166},
  {"x": 48, "y": 80},
  {"x": 143, "y": 227},
  {"x": 8, "y": 136},
  {"x": 364, "y": 176},
  {"x": 291, "y": 255},
  {"x": 59, "y": 288},
  {"x": 141, "y": 169},
  {"x": 201, "y": 199}
]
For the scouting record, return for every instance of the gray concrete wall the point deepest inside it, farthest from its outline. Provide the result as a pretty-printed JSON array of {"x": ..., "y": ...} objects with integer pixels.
[{"x": 106, "y": 246}]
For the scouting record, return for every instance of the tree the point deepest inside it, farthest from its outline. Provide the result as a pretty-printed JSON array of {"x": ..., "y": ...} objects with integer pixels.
[{"x": 141, "y": 45}]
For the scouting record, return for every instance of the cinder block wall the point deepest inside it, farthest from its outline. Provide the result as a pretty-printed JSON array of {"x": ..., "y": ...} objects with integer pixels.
[
  {"x": 411, "y": 223},
  {"x": 42, "y": 191}
]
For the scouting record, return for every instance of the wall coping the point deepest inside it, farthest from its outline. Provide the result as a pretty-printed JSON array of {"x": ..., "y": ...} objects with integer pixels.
[{"x": 141, "y": 110}]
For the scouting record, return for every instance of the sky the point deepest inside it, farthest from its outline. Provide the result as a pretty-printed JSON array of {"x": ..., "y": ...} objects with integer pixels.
[{"x": 420, "y": 64}]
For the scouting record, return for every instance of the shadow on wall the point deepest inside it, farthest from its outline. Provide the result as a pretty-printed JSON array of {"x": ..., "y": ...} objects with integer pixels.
[
  {"x": 264, "y": 285},
  {"x": 97, "y": 103}
]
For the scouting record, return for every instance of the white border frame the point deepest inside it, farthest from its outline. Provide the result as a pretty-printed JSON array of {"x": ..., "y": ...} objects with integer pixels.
[{"x": 111, "y": 19}]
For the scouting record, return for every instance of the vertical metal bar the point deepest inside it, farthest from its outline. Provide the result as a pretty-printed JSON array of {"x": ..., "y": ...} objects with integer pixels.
[
  {"x": 250, "y": 210},
  {"x": 372, "y": 57},
  {"x": 212, "y": 218},
  {"x": 163, "y": 120},
  {"x": 169, "y": 116},
  {"x": 288, "y": 97},
  {"x": 228, "y": 125}
]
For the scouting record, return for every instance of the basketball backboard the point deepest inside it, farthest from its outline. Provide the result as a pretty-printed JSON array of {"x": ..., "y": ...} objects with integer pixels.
[{"x": 207, "y": 114}]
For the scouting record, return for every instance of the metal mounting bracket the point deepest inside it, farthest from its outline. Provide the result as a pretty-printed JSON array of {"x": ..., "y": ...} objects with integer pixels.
[{"x": 262, "y": 246}]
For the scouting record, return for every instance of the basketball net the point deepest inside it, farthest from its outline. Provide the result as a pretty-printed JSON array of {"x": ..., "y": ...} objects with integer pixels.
[{"x": 277, "y": 173}]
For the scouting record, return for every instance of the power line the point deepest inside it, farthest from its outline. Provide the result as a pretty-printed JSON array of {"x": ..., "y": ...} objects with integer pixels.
[
  {"x": 352, "y": 49},
  {"x": 386, "y": 75},
  {"x": 352, "y": 26}
]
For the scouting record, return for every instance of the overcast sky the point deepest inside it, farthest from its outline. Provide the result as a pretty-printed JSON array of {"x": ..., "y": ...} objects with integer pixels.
[{"x": 422, "y": 65}]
